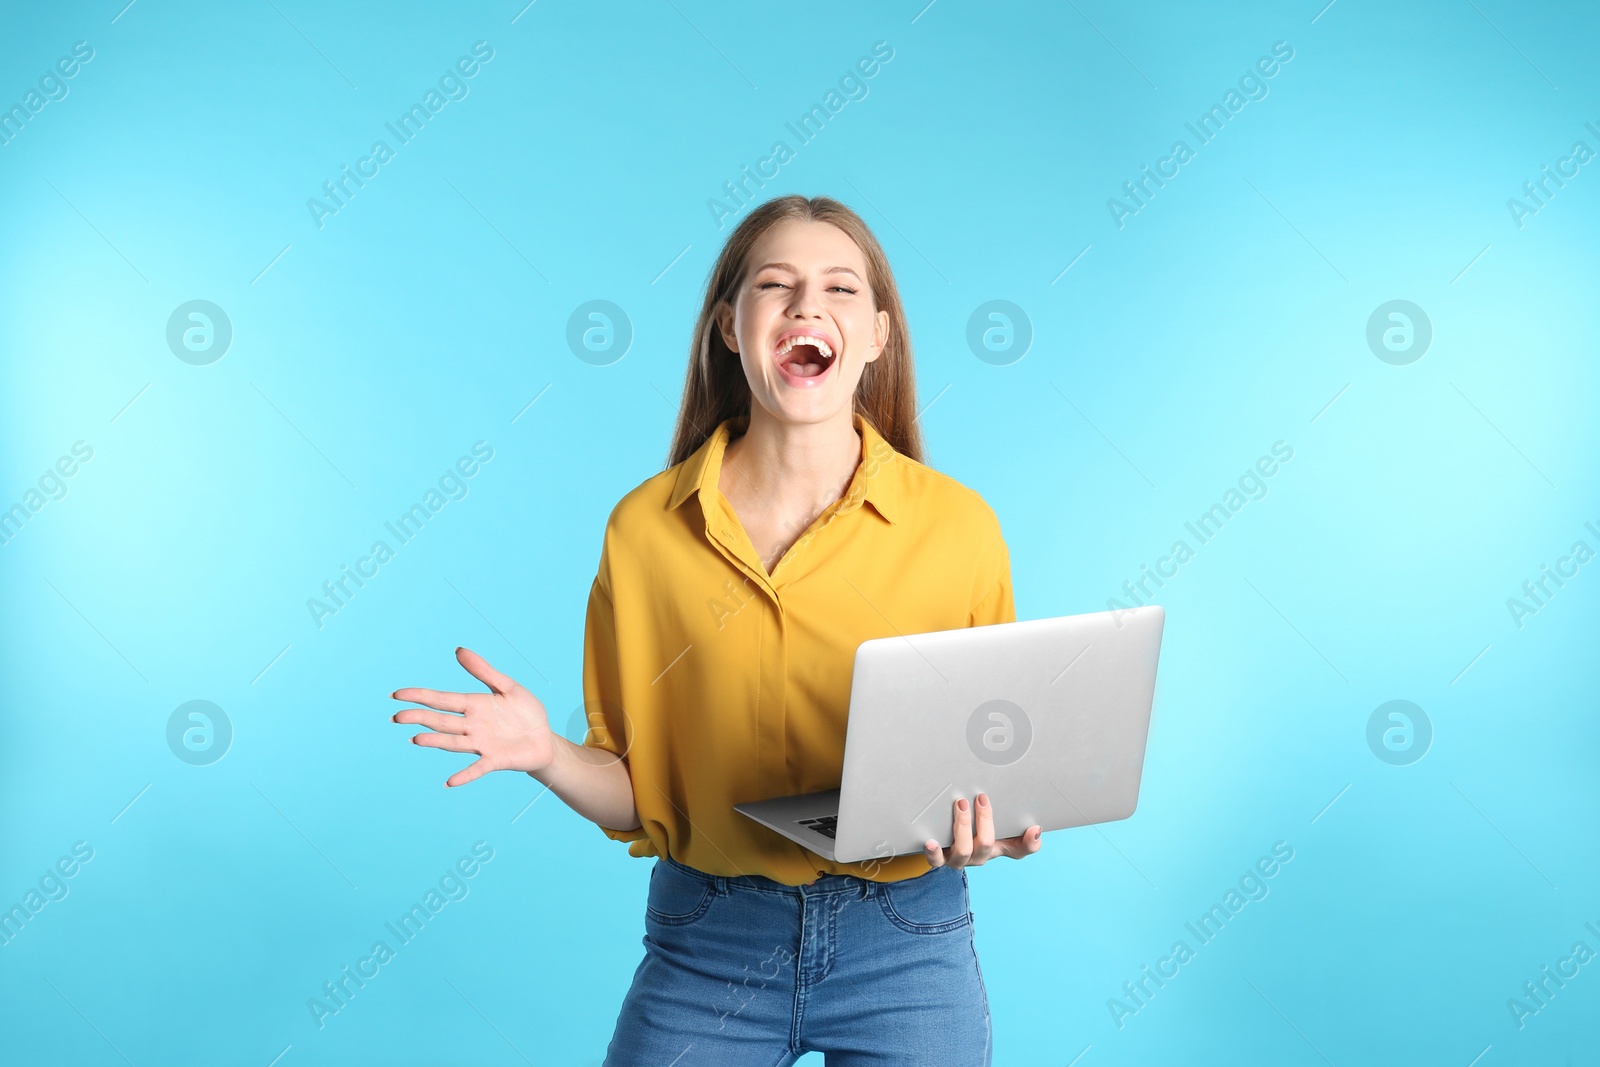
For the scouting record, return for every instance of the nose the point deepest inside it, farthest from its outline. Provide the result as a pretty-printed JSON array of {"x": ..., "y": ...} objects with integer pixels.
[{"x": 805, "y": 303}]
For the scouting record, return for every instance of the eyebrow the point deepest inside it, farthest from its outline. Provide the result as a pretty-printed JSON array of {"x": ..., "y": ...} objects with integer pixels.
[{"x": 791, "y": 269}]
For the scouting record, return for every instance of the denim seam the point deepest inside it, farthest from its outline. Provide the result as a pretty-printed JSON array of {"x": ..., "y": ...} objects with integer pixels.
[
  {"x": 684, "y": 920},
  {"x": 801, "y": 986},
  {"x": 988, "y": 1018},
  {"x": 706, "y": 898},
  {"x": 909, "y": 927},
  {"x": 900, "y": 921},
  {"x": 834, "y": 904}
]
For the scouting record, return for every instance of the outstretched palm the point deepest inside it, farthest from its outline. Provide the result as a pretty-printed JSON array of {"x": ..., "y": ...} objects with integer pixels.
[{"x": 506, "y": 727}]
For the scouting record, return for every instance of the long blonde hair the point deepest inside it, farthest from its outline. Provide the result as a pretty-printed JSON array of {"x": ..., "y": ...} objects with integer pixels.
[{"x": 715, "y": 388}]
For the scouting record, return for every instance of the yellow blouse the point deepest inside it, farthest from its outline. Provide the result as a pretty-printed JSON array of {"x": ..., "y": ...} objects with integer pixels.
[{"x": 720, "y": 683}]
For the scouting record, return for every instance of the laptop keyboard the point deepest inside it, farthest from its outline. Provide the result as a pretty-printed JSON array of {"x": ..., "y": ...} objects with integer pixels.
[{"x": 825, "y": 826}]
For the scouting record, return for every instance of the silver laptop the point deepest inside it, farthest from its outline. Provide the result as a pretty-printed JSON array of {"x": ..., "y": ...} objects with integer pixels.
[{"x": 1049, "y": 717}]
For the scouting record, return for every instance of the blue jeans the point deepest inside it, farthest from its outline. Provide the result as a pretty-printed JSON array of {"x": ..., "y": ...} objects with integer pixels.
[{"x": 750, "y": 972}]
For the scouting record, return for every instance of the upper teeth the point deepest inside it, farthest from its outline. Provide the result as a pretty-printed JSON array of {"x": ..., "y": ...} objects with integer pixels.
[{"x": 805, "y": 339}]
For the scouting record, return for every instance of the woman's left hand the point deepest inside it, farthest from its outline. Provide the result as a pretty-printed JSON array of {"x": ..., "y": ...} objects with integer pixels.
[{"x": 974, "y": 845}]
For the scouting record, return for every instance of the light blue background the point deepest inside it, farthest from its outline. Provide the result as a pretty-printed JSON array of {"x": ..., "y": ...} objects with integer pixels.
[{"x": 1228, "y": 314}]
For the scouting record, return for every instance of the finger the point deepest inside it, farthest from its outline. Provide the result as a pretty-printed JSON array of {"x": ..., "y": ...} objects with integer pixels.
[
  {"x": 983, "y": 828},
  {"x": 449, "y": 742},
  {"x": 433, "y": 720},
  {"x": 472, "y": 771},
  {"x": 933, "y": 853},
  {"x": 432, "y": 698},
  {"x": 1024, "y": 844},
  {"x": 479, "y": 668},
  {"x": 961, "y": 845}
]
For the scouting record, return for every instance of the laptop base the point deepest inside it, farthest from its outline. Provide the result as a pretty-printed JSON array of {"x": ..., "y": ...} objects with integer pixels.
[{"x": 786, "y": 814}]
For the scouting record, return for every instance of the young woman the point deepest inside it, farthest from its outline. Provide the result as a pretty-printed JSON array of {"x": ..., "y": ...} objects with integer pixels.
[{"x": 795, "y": 520}]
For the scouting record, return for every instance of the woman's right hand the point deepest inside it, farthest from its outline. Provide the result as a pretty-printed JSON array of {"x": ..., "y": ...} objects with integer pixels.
[{"x": 506, "y": 727}]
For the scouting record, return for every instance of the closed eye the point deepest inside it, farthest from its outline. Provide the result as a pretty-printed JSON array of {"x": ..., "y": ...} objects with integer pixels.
[{"x": 842, "y": 288}]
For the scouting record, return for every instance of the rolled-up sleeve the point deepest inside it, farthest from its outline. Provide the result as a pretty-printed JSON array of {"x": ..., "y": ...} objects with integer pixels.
[
  {"x": 995, "y": 604},
  {"x": 608, "y": 728}
]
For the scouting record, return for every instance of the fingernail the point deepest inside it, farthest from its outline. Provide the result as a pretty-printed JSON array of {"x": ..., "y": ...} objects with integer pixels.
[
  {"x": 395, "y": 717},
  {"x": 983, "y": 800},
  {"x": 961, "y": 805}
]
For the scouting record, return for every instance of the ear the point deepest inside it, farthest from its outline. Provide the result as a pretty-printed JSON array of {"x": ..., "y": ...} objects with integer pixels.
[
  {"x": 880, "y": 336},
  {"x": 724, "y": 325}
]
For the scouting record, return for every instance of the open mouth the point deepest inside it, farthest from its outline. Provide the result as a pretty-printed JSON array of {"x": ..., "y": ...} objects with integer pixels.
[{"x": 804, "y": 358}]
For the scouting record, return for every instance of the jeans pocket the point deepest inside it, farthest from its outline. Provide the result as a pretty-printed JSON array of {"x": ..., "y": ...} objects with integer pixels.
[
  {"x": 676, "y": 897},
  {"x": 932, "y": 903}
]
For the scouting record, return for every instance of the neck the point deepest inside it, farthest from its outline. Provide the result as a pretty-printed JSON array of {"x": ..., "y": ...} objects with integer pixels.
[{"x": 795, "y": 463}]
